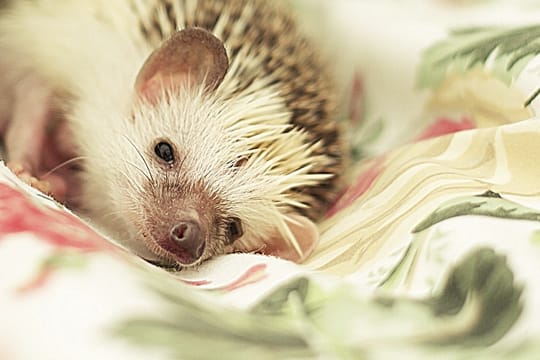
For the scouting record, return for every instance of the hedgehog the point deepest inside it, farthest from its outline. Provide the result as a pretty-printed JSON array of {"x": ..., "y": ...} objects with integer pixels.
[{"x": 185, "y": 129}]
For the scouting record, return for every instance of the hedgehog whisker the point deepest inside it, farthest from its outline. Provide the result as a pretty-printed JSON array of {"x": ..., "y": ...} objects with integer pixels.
[
  {"x": 138, "y": 168},
  {"x": 130, "y": 179},
  {"x": 149, "y": 174},
  {"x": 67, "y": 162}
]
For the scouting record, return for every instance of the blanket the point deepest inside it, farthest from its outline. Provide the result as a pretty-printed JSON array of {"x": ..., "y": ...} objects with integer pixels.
[{"x": 431, "y": 251}]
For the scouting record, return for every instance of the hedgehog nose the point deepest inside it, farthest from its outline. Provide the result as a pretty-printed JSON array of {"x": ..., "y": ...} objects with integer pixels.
[{"x": 187, "y": 236}]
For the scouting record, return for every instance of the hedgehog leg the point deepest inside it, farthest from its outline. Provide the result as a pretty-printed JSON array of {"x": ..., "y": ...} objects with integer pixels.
[
  {"x": 26, "y": 129},
  {"x": 26, "y": 134}
]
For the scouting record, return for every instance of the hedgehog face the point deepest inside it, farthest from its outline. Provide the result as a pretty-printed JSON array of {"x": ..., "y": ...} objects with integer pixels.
[
  {"x": 219, "y": 175},
  {"x": 219, "y": 161},
  {"x": 182, "y": 220},
  {"x": 214, "y": 175}
]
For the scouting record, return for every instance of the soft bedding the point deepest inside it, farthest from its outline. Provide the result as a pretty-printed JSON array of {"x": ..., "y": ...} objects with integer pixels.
[{"x": 432, "y": 250}]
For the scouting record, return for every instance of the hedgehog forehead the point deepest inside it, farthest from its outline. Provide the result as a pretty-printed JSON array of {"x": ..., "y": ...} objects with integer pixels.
[
  {"x": 190, "y": 124},
  {"x": 213, "y": 129},
  {"x": 187, "y": 118}
]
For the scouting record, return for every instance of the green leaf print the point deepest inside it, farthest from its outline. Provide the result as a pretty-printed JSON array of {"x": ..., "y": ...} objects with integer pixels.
[
  {"x": 509, "y": 48},
  {"x": 487, "y": 204},
  {"x": 277, "y": 302},
  {"x": 478, "y": 304},
  {"x": 483, "y": 282},
  {"x": 303, "y": 320},
  {"x": 193, "y": 326}
]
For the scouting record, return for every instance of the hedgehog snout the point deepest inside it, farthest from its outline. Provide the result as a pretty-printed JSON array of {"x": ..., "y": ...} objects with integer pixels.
[
  {"x": 187, "y": 236},
  {"x": 182, "y": 238}
]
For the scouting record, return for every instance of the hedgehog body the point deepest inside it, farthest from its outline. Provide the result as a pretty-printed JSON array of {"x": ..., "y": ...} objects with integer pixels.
[{"x": 250, "y": 157}]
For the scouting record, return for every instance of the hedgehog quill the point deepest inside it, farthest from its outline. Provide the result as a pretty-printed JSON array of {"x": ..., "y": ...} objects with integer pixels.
[{"x": 196, "y": 128}]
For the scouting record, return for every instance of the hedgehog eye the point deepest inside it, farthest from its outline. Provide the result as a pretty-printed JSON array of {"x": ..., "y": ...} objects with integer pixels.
[
  {"x": 165, "y": 152},
  {"x": 234, "y": 229}
]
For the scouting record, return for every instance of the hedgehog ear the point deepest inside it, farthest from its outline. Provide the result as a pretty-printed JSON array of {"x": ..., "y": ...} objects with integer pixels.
[
  {"x": 306, "y": 235},
  {"x": 190, "y": 57}
]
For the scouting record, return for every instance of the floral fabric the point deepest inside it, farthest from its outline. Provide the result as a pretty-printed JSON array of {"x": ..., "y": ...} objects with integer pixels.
[{"x": 431, "y": 251}]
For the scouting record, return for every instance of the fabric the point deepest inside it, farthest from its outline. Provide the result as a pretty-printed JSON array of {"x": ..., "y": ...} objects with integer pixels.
[{"x": 432, "y": 251}]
